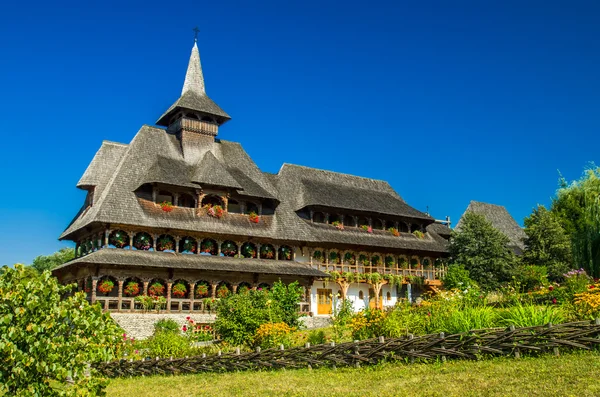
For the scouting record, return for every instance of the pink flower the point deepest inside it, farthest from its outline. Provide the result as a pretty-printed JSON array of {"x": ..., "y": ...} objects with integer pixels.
[
  {"x": 184, "y": 329},
  {"x": 554, "y": 301}
]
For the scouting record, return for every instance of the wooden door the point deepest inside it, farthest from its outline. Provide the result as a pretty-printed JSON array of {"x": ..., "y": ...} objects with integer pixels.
[
  {"x": 324, "y": 301},
  {"x": 372, "y": 298}
]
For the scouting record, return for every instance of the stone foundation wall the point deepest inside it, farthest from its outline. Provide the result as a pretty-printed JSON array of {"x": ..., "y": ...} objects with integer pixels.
[{"x": 141, "y": 325}]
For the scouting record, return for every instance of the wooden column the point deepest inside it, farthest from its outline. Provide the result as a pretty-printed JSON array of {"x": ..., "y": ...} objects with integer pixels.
[
  {"x": 234, "y": 288},
  {"x": 154, "y": 238},
  {"x": 192, "y": 295},
  {"x": 146, "y": 282},
  {"x": 213, "y": 287},
  {"x": 106, "y": 234},
  {"x": 94, "y": 286},
  {"x": 218, "y": 247},
  {"x": 131, "y": 240},
  {"x": 120, "y": 294},
  {"x": 169, "y": 285},
  {"x": 99, "y": 242},
  {"x": 177, "y": 240},
  {"x": 77, "y": 246}
]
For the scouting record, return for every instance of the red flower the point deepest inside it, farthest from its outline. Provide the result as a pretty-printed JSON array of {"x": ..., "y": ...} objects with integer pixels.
[
  {"x": 550, "y": 288},
  {"x": 188, "y": 318},
  {"x": 592, "y": 286},
  {"x": 184, "y": 329},
  {"x": 554, "y": 301}
]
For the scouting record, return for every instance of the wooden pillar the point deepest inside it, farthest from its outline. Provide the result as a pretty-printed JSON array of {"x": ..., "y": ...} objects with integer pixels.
[
  {"x": 169, "y": 285},
  {"x": 239, "y": 248},
  {"x": 218, "y": 247},
  {"x": 120, "y": 294},
  {"x": 177, "y": 240},
  {"x": 106, "y": 234},
  {"x": 234, "y": 288},
  {"x": 99, "y": 241},
  {"x": 176, "y": 199},
  {"x": 213, "y": 287},
  {"x": 146, "y": 282},
  {"x": 312, "y": 214},
  {"x": 192, "y": 295},
  {"x": 77, "y": 246},
  {"x": 154, "y": 238},
  {"x": 327, "y": 217},
  {"x": 258, "y": 250},
  {"x": 276, "y": 252},
  {"x": 154, "y": 194},
  {"x": 259, "y": 209},
  {"x": 131, "y": 240},
  {"x": 94, "y": 286}
]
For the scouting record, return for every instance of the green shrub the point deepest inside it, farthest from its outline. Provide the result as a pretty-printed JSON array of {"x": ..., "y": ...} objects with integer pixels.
[
  {"x": 530, "y": 315},
  {"x": 166, "y": 325},
  {"x": 167, "y": 344},
  {"x": 316, "y": 337},
  {"x": 272, "y": 335},
  {"x": 530, "y": 277},
  {"x": 47, "y": 336},
  {"x": 457, "y": 277},
  {"x": 403, "y": 320},
  {"x": 454, "y": 321},
  {"x": 287, "y": 298}
]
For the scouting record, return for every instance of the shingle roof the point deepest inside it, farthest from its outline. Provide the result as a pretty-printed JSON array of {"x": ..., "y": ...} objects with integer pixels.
[
  {"x": 211, "y": 171},
  {"x": 501, "y": 219},
  {"x": 440, "y": 229},
  {"x": 125, "y": 257}
]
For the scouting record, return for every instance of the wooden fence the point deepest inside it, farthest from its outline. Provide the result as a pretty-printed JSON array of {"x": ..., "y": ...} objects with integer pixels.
[{"x": 469, "y": 345}]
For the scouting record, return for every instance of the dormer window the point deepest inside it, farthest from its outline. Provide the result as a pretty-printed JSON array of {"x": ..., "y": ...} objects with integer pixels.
[{"x": 212, "y": 201}]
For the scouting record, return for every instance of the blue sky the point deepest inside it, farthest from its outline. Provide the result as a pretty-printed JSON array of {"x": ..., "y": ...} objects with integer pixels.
[{"x": 448, "y": 101}]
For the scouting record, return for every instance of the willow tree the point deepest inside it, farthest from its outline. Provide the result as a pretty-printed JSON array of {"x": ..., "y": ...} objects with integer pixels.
[{"x": 577, "y": 207}]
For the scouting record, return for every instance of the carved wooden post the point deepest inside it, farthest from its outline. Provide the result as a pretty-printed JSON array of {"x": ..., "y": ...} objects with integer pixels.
[
  {"x": 176, "y": 199},
  {"x": 192, "y": 295},
  {"x": 120, "y": 294},
  {"x": 276, "y": 247},
  {"x": 234, "y": 288},
  {"x": 218, "y": 247},
  {"x": 213, "y": 287},
  {"x": 169, "y": 285},
  {"x": 312, "y": 213},
  {"x": 239, "y": 248},
  {"x": 77, "y": 246},
  {"x": 94, "y": 285},
  {"x": 146, "y": 282},
  {"x": 154, "y": 238},
  {"x": 131, "y": 240},
  {"x": 99, "y": 241},
  {"x": 177, "y": 240}
]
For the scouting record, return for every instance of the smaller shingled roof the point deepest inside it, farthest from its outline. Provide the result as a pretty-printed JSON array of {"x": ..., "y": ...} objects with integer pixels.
[
  {"x": 211, "y": 171},
  {"x": 440, "y": 229},
  {"x": 122, "y": 257},
  {"x": 501, "y": 219}
]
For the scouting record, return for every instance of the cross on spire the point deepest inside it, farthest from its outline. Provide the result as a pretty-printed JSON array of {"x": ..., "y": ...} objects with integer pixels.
[{"x": 196, "y": 30}]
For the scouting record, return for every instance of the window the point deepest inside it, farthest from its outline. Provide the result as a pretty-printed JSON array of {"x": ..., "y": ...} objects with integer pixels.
[
  {"x": 388, "y": 296},
  {"x": 186, "y": 201},
  {"x": 251, "y": 207},
  {"x": 234, "y": 207},
  {"x": 163, "y": 195},
  {"x": 318, "y": 217},
  {"x": 361, "y": 295},
  {"x": 212, "y": 200}
]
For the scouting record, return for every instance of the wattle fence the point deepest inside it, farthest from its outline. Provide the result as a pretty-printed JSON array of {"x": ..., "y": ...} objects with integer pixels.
[{"x": 470, "y": 345}]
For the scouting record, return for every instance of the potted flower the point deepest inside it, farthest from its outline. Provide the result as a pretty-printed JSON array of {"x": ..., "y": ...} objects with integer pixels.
[
  {"x": 248, "y": 251},
  {"x": 376, "y": 260},
  {"x": 222, "y": 291},
  {"x": 207, "y": 246},
  {"x": 142, "y": 241},
  {"x": 202, "y": 290},
  {"x": 338, "y": 225},
  {"x": 166, "y": 206},
  {"x": 318, "y": 255},
  {"x": 349, "y": 258},
  {"x": 389, "y": 261},
  {"x": 179, "y": 290},
  {"x": 266, "y": 252},
  {"x": 156, "y": 289},
  {"x": 253, "y": 216},
  {"x": 394, "y": 231},
  {"x": 106, "y": 286},
  {"x": 367, "y": 228},
  {"x": 419, "y": 234},
  {"x": 334, "y": 257},
  {"x": 286, "y": 253},
  {"x": 132, "y": 289},
  {"x": 229, "y": 249},
  {"x": 189, "y": 245},
  {"x": 165, "y": 243},
  {"x": 118, "y": 239},
  {"x": 216, "y": 211}
]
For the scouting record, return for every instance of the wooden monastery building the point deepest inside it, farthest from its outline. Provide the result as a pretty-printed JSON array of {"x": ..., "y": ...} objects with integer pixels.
[{"x": 181, "y": 209}]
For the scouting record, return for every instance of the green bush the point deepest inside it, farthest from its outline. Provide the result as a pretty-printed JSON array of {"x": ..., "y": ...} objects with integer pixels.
[
  {"x": 457, "y": 277},
  {"x": 45, "y": 339},
  {"x": 532, "y": 315},
  {"x": 403, "y": 320},
  {"x": 166, "y": 325},
  {"x": 287, "y": 298},
  {"x": 454, "y": 321},
  {"x": 316, "y": 337},
  {"x": 167, "y": 344},
  {"x": 530, "y": 277}
]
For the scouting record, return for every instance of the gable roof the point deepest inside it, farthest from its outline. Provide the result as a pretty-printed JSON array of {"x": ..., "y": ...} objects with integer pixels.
[
  {"x": 501, "y": 219},
  {"x": 211, "y": 171}
]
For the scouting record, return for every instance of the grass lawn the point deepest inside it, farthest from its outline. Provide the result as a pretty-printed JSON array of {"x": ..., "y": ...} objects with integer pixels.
[{"x": 572, "y": 374}]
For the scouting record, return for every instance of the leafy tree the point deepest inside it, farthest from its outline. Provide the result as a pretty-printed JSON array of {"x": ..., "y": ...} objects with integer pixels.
[
  {"x": 46, "y": 340},
  {"x": 547, "y": 244},
  {"x": 577, "y": 207},
  {"x": 458, "y": 277},
  {"x": 483, "y": 251},
  {"x": 287, "y": 298},
  {"x": 49, "y": 262}
]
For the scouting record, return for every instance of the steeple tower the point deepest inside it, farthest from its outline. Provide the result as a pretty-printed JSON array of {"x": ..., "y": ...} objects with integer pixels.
[{"x": 194, "y": 111}]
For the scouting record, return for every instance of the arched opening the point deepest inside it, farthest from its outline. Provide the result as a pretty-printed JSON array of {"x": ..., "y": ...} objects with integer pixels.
[
  {"x": 107, "y": 286},
  {"x": 349, "y": 221},
  {"x": 186, "y": 201},
  {"x": 377, "y": 224},
  {"x": 118, "y": 239},
  {"x": 164, "y": 197},
  {"x": 251, "y": 207},
  {"x": 318, "y": 256},
  {"x": 157, "y": 287},
  {"x": 203, "y": 289},
  {"x": 143, "y": 241},
  {"x": 349, "y": 258},
  {"x": 390, "y": 261},
  {"x": 285, "y": 253},
  {"x": 426, "y": 263},
  {"x": 244, "y": 288},
  {"x": 388, "y": 296},
  {"x": 334, "y": 257},
  {"x": 318, "y": 217},
  {"x": 208, "y": 246},
  {"x": 132, "y": 287},
  {"x": 414, "y": 262},
  {"x": 234, "y": 207},
  {"x": 180, "y": 289},
  {"x": 229, "y": 248},
  {"x": 166, "y": 243},
  {"x": 264, "y": 287},
  {"x": 362, "y": 221},
  {"x": 402, "y": 227},
  {"x": 211, "y": 201},
  {"x": 223, "y": 289},
  {"x": 361, "y": 295},
  {"x": 248, "y": 250},
  {"x": 188, "y": 245},
  {"x": 363, "y": 260},
  {"x": 376, "y": 260},
  {"x": 267, "y": 251},
  {"x": 403, "y": 262},
  {"x": 334, "y": 218}
]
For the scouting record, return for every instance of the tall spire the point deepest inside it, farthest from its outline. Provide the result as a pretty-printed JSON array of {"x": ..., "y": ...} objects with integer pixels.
[{"x": 194, "y": 79}]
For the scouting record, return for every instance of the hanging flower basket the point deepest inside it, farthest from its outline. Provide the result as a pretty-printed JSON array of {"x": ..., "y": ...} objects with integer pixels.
[
  {"x": 394, "y": 231},
  {"x": 367, "y": 228},
  {"x": 229, "y": 249},
  {"x": 266, "y": 251},
  {"x": 166, "y": 206},
  {"x": 207, "y": 246},
  {"x": 106, "y": 286},
  {"x": 349, "y": 258},
  {"x": 179, "y": 290},
  {"x": 222, "y": 292},
  {"x": 156, "y": 289},
  {"x": 254, "y": 218},
  {"x": 363, "y": 260},
  {"x": 132, "y": 289},
  {"x": 248, "y": 251},
  {"x": 189, "y": 245},
  {"x": 165, "y": 243},
  {"x": 376, "y": 260},
  {"x": 389, "y": 261},
  {"x": 118, "y": 239},
  {"x": 338, "y": 225},
  {"x": 216, "y": 211},
  {"x": 142, "y": 241},
  {"x": 286, "y": 253},
  {"x": 334, "y": 257},
  {"x": 201, "y": 290},
  {"x": 318, "y": 255}
]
